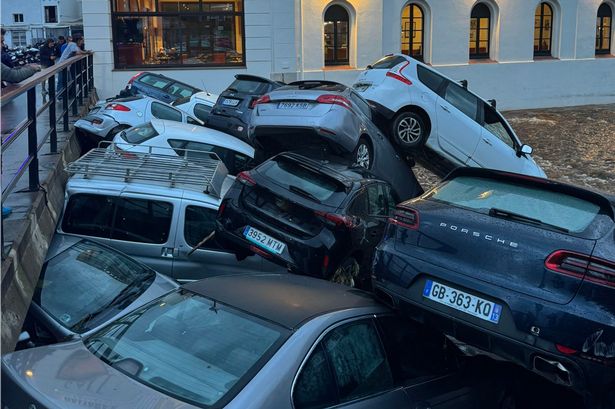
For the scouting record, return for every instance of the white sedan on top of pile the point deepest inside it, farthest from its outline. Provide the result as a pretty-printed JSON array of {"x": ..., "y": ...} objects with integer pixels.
[{"x": 169, "y": 137}]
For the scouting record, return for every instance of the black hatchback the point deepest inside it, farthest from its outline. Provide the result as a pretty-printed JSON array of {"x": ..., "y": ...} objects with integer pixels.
[
  {"x": 232, "y": 111},
  {"x": 315, "y": 217}
]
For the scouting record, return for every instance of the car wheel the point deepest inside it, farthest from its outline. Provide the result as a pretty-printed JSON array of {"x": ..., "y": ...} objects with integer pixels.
[
  {"x": 346, "y": 273},
  {"x": 409, "y": 129},
  {"x": 363, "y": 154}
]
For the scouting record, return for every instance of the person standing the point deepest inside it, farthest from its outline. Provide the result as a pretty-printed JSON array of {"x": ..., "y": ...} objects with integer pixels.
[
  {"x": 69, "y": 39},
  {"x": 47, "y": 59},
  {"x": 58, "y": 47},
  {"x": 72, "y": 49},
  {"x": 6, "y": 58}
]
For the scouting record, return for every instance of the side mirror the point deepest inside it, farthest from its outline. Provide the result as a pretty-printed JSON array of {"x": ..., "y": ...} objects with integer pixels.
[
  {"x": 464, "y": 83},
  {"x": 492, "y": 102},
  {"x": 526, "y": 150}
]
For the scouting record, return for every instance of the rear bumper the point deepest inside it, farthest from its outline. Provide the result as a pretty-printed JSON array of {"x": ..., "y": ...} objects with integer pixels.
[
  {"x": 228, "y": 124},
  {"x": 400, "y": 279},
  {"x": 273, "y": 139},
  {"x": 101, "y": 130}
]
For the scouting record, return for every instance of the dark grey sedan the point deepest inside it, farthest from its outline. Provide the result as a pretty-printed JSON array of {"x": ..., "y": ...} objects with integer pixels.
[
  {"x": 251, "y": 341},
  {"x": 84, "y": 285}
]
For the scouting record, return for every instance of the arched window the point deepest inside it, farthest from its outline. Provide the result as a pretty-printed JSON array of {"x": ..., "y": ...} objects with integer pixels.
[
  {"x": 604, "y": 24},
  {"x": 336, "y": 36},
  {"x": 480, "y": 31},
  {"x": 543, "y": 29},
  {"x": 412, "y": 30}
]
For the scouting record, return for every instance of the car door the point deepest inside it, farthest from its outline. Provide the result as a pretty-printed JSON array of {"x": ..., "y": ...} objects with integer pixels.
[
  {"x": 429, "y": 90},
  {"x": 196, "y": 223},
  {"x": 143, "y": 228},
  {"x": 458, "y": 129},
  {"x": 348, "y": 368},
  {"x": 497, "y": 147}
]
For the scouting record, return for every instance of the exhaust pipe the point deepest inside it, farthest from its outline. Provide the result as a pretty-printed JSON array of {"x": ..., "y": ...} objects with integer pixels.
[{"x": 555, "y": 371}]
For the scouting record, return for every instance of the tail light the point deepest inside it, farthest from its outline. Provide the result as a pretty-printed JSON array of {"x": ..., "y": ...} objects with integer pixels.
[
  {"x": 245, "y": 178},
  {"x": 221, "y": 208},
  {"x": 397, "y": 74},
  {"x": 260, "y": 252},
  {"x": 265, "y": 99},
  {"x": 336, "y": 220},
  {"x": 578, "y": 265},
  {"x": 565, "y": 350},
  {"x": 125, "y": 154},
  {"x": 134, "y": 77},
  {"x": 325, "y": 264},
  {"x": 117, "y": 107},
  {"x": 405, "y": 217},
  {"x": 335, "y": 100},
  {"x": 97, "y": 121}
]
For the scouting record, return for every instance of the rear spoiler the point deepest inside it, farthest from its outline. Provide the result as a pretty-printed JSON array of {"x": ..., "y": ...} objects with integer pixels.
[
  {"x": 598, "y": 198},
  {"x": 249, "y": 77}
]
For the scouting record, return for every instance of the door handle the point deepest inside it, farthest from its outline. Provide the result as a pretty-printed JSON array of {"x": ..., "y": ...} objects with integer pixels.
[
  {"x": 487, "y": 141},
  {"x": 445, "y": 108},
  {"x": 167, "y": 252}
]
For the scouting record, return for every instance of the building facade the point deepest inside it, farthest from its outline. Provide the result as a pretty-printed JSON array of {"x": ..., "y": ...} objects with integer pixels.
[
  {"x": 30, "y": 21},
  {"x": 524, "y": 53}
]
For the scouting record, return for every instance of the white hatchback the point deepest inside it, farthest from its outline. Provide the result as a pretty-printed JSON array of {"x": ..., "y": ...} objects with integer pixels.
[
  {"x": 198, "y": 105},
  {"x": 169, "y": 137},
  {"x": 427, "y": 108}
]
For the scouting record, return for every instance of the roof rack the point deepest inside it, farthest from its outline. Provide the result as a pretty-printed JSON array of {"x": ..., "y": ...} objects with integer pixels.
[{"x": 192, "y": 170}]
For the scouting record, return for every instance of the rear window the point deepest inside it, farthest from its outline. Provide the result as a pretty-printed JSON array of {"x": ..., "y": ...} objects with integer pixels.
[
  {"x": 388, "y": 62},
  {"x": 138, "y": 134},
  {"x": 553, "y": 208},
  {"x": 292, "y": 175},
  {"x": 248, "y": 87},
  {"x": 154, "y": 81}
]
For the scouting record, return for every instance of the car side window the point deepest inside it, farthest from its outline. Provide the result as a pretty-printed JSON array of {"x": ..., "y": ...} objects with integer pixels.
[
  {"x": 315, "y": 386},
  {"x": 461, "y": 99},
  {"x": 89, "y": 215},
  {"x": 377, "y": 200},
  {"x": 202, "y": 111},
  {"x": 495, "y": 124},
  {"x": 414, "y": 352},
  {"x": 178, "y": 90},
  {"x": 351, "y": 359},
  {"x": 199, "y": 222},
  {"x": 359, "y": 205},
  {"x": 391, "y": 199},
  {"x": 143, "y": 221},
  {"x": 361, "y": 104},
  {"x": 429, "y": 78},
  {"x": 161, "y": 111},
  {"x": 154, "y": 81}
]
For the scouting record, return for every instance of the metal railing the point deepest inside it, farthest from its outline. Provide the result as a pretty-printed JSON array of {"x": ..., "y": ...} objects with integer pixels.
[{"x": 77, "y": 75}]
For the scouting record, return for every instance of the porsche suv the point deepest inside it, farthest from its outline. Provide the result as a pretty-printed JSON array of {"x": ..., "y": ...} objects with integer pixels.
[{"x": 518, "y": 266}]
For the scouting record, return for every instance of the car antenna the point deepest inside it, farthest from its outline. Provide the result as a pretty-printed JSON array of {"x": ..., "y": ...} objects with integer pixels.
[{"x": 205, "y": 88}]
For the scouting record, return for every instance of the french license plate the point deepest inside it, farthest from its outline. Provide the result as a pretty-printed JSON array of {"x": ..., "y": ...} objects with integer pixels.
[
  {"x": 462, "y": 301},
  {"x": 230, "y": 102},
  {"x": 361, "y": 87},
  {"x": 293, "y": 105},
  {"x": 263, "y": 240}
]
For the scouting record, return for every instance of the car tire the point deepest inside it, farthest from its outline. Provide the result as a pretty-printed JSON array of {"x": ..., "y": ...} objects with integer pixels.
[
  {"x": 409, "y": 130},
  {"x": 364, "y": 154},
  {"x": 346, "y": 273}
]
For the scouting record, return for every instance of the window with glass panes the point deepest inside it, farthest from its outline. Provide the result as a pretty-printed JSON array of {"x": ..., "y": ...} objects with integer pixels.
[
  {"x": 174, "y": 33},
  {"x": 543, "y": 29},
  {"x": 480, "y": 31},
  {"x": 412, "y": 31},
  {"x": 337, "y": 39},
  {"x": 604, "y": 26}
]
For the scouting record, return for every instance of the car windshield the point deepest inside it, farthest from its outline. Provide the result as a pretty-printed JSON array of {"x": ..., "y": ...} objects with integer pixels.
[
  {"x": 552, "y": 208},
  {"x": 301, "y": 179},
  {"x": 86, "y": 280},
  {"x": 189, "y": 347},
  {"x": 248, "y": 87},
  {"x": 138, "y": 134}
]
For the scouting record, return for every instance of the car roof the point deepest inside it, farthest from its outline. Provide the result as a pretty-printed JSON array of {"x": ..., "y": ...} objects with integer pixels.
[
  {"x": 286, "y": 299},
  {"x": 205, "y": 96},
  {"x": 315, "y": 85},
  {"x": 249, "y": 77},
  {"x": 173, "y": 80},
  {"x": 197, "y": 133}
]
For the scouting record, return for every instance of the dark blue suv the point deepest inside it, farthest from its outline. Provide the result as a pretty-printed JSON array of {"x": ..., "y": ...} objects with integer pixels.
[{"x": 518, "y": 266}]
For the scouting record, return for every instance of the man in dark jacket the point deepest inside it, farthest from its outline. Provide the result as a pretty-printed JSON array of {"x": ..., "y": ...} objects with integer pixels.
[
  {"x": 58, "y": 48},
  {"x": 47, "y": 59},
  {"x": 6, "y": 58}
]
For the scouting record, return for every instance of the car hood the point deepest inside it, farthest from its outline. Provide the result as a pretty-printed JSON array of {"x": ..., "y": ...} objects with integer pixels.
[{"x": 68, "y": 376}]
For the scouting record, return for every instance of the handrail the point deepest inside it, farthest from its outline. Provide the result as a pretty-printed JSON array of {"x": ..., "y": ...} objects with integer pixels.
[{"x": 77, "y": 75}]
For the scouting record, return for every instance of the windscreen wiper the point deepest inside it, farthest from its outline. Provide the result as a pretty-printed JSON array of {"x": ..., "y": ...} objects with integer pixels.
[
  {"x": 506, "y": 214},
  {"x": 304, "y": 193}
]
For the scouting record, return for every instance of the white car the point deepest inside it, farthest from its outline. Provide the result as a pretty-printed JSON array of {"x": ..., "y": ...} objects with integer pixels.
[
  {"x": 110, "y": 117},
  {"x": 427, "y": 108},
  {"x": 166, "y": 137},
  {"x": 198, "y": 105}
]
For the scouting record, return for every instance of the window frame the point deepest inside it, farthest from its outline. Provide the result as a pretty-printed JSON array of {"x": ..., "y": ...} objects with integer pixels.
[
  {"x": 47, "y": 13},
  {"x": 410, "y": 31},
  {"x": 336, "y": 61},
  {"x": 160, "y": 105},
  {"x": 600, "y": 28},
  {"x": 549, "y": 51},
  {"x": 116, "y": 16},
  {"x": 477, "y": 114},
  {"x": 17, "y": 18},
  {"x": 479, "y": 12},
  {"x": 210, "y": 245}
]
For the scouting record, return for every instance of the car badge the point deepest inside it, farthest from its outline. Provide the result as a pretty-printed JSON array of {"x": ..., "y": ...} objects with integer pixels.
[{"x": 139, "y": 114}]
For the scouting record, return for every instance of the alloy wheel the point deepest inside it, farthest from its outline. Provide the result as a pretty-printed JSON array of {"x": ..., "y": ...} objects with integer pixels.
[
  {"x": 363, "y": 156},
  {"x": 409, "y": 130}
]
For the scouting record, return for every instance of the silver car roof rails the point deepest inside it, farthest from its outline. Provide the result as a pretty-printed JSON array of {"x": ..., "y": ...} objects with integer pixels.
[{"x": 193, "y": 170}]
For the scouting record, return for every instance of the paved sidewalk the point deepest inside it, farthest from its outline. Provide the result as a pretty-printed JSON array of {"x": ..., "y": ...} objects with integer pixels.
[{"x": 574, "y": 145}]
